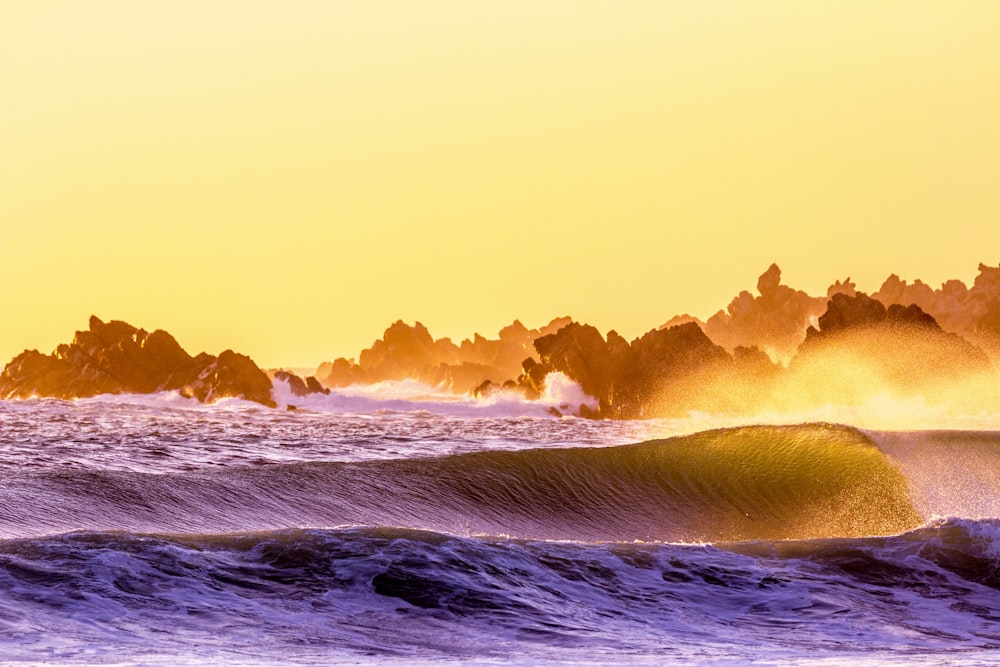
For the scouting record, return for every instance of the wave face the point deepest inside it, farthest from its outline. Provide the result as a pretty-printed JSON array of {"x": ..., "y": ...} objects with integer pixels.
[
  {"x": 728, "y": 485},
  {"x": 155, "y": 531}
]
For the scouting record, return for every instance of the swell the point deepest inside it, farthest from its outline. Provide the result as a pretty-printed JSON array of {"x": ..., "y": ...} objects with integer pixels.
[{"x": 728, "y": 485}]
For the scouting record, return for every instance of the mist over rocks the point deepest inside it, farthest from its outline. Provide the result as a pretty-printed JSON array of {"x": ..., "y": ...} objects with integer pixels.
[
  {"x": 862, "y": 348},
  {"x": 655, "y": 374},
  {"x": 845, "y": 312},
  {"x": 849, "y": 348},
  {"x": 116, "y": 357},
  {"x": 974, "y": 312}
]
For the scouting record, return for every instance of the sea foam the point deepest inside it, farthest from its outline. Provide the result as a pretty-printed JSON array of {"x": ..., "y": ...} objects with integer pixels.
[{"x": 561, "y": 397}]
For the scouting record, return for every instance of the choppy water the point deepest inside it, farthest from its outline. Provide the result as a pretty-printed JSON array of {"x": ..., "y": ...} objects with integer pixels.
[{"x": 149, "y": 530}]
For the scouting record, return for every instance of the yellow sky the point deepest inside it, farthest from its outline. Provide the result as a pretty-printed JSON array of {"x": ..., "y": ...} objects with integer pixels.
[{"x": 288, "y": 178}]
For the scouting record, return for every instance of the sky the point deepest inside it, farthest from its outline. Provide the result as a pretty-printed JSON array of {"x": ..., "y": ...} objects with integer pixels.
[{"x": 286, "y": 179}]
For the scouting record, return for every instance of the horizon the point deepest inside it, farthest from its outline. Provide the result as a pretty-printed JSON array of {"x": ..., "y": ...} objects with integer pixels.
[{"x": 289, "y": 183}]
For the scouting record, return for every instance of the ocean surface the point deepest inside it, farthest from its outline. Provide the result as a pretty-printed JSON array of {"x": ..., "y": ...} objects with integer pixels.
[{"x": 392, "y": 525}]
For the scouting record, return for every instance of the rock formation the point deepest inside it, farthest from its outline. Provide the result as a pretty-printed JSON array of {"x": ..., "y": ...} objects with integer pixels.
[
  {"x": 410, "y": 352},
  {"x": 115, "y": 358},
  {"x": 774, "y": 321},
  {"x": 656, "y": 374},
  {"x": 298, "y": 386},
  {"x": 972, "y": 312},
  {"x": 904, "y": 340}
]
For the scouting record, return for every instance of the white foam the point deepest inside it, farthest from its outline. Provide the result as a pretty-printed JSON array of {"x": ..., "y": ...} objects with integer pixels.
[
  {"x": 171, "y": 399},
  {"x": 564, "y": 394},
  {"x": 561, "y": 397}
]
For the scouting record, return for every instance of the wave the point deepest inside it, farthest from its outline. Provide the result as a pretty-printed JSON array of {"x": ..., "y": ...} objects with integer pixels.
[
  {"x": 300, "y": 595},
  {"x": 748, "y": 483}
]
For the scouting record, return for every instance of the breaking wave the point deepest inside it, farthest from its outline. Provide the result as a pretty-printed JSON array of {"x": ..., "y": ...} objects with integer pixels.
[{"x": 561, "y": 396}]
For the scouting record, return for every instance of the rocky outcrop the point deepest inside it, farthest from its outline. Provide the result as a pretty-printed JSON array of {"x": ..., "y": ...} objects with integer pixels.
[
  {"x": 972, "y": 312},
  {"x": 846, "y": 313},
  {"x": 657, "y": 374},
  {"x": 410, "y": 352},
  {"x": 115, "y": 358},
  {"x": 774, "y": 321},
  {"x": 859, "y": 348},
  {"x": 298, "y": 386}
]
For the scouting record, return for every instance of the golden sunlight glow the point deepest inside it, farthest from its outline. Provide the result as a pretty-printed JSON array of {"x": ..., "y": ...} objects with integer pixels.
[{"x": 287, "y": 179}]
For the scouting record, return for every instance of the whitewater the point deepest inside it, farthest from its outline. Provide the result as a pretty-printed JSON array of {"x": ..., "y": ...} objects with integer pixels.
[{"x": 397, "y": 525}]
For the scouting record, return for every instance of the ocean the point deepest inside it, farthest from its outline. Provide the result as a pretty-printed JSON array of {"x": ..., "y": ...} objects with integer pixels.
[{"x": 398, "y": 526}]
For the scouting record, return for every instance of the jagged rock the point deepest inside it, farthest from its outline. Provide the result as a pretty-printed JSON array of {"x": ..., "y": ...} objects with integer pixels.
[
  {"x": 231, "y": 374},
  {"x": 532, "y": 378},
  {"x": 314, "y": 387},
  {"x": 974, "y": 312},
  {"x": 910, "y": 315},
  {"x": 340, "y": 373},
  {"x": 769, "y": 281},
  {"x": 845, "y": 312},
  {"x": 774, "y": 321},
  {"x": 580, "y": 352},
  {"x": 627, "y": 379},
  {"x": 296, "y": 384},
  {"x": 115, "y": 357},
  {"x": 410, "y": 352},
  {"x": 860, "y": 311},
  {"x": 299, "y": 386}
]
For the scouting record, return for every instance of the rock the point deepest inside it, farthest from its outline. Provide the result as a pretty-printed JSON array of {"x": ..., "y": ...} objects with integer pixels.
[
  {"x": 846, "y": 312},
  {"x": 627, "y": 379},
  {"x": 296, "y": 384},
  {"x": 774, "y": 321},
  {"x": 314, "y": 387},
  {"x": 410, "y": 352},
  {"x": 485, "y": 389},
  {"x": 580, "y": 352},
  {"x": 910, "y": 315},
  {"x": 340, "y": 373},
  {"x": 232, "y": 374},
  {"x": 404, "y": 350},
  {"x": 769, "y": 281},
  {"x": 863, "y": 349},
  {"x": 974, "y": 312},
  {"x": 860, "y": 311},
  {"x": 116, "y": 357}
]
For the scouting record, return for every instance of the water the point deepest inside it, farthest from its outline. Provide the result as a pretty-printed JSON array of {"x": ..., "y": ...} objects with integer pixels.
[{"x": 152, "y": 530}]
